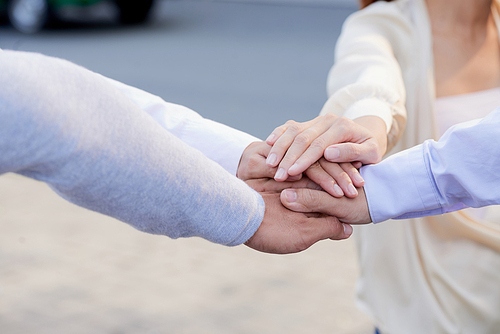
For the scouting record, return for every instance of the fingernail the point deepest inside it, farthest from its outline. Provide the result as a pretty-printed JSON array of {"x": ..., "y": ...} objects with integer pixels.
[
  {"x": 347, "y": 230},
  {"x": 280, "y": 174},
  {"x": 332, "y": 153},
  {"x": 338, "y": 190},
  {"x": 352, "y": 190},
  {"x": 272, "y": 159},
  {"x": 293, "y": 168},
  {"x": 271, "y": 137},
  {"x": 291, "y": 195},
  {"x": 357, "y": 177}
]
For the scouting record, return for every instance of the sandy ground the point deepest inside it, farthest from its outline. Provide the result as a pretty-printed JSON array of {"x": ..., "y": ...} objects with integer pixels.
[{"x": 64, "y": 269}]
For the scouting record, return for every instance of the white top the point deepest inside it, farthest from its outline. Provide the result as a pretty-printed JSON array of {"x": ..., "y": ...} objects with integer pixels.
[
  {"x": 455, "y": 109},
  {"x": 451, "y": 110}
]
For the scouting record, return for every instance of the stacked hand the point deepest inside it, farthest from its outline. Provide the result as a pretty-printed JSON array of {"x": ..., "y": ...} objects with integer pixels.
[{"x": 312, "y": 170}]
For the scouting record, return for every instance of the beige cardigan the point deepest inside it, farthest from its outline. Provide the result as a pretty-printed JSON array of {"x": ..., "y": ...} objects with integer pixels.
[{"x": 438, "y": 274}]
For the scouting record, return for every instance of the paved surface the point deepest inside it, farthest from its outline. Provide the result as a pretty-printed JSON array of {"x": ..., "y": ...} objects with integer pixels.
[{"x": 64, "y": 269}]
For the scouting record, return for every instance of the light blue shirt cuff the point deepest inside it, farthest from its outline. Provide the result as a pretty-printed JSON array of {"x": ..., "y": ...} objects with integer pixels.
[{"x": 392, "y": 191}]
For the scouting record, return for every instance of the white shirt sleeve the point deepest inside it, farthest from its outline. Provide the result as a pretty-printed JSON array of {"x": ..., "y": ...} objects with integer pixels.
[
  {"x": 460, "y": 170},
  {"x": 217, "y": 141},
  {"x": 69, "y": 127}
]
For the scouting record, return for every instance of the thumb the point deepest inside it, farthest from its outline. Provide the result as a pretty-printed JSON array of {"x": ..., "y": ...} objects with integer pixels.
[
  {"x": 347, "y": 210},
  {"x": 328, "y": 227},
  {"x": 366, "y": 152},
  {"x": 309, "y": 200},
  {"x": 324, "y": 227}
]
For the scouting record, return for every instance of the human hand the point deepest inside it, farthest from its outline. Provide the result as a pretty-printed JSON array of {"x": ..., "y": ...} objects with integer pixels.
[
  {"x": 327, "y": 175},
  {"x": 347, "y": 210},
  {"x": 253, "y": 162},
  {"x": 283, "y": 231},
  {"x": 298, "y": 145},
  {"x": 336, "y": 179}
]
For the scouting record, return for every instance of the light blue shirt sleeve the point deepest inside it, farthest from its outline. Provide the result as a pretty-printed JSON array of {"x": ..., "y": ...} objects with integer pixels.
[
  {"x": 461, "y": 170},
  {"x": 71, "y": 128}
]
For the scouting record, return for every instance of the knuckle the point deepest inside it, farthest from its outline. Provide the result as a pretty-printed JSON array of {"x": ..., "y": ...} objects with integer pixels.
[
  {"x": 344, "y": 123},
  {"x": 315, "y": 166},
  {"x": 337, "y": 229},
  {"x": 350, "y": 152},
  {"x": 303, "y": 139},
  {"x": 344, "y": 120},
  {"x": 348, "y": 167},
  {"x": 330, "y": 117},
  {"x": 319, "y": 143},
  {"x": 355, "y": 150},
  {"x": 342, "y": 176},
  {"x": 311, "y": 198},
  {"x": 294, "y": 128},
  {"x": 253, "y": 163}
]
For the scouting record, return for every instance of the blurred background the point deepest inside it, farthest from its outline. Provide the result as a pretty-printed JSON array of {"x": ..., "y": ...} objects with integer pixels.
[{"x": 249, "y": 64}]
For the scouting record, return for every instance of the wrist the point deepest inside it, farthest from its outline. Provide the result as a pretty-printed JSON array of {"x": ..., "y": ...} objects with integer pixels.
[{"x": 377, "y": 128}]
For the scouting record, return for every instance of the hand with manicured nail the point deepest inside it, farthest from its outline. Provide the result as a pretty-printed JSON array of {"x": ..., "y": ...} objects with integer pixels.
[
  {"x": 296, "y": 146},
  {"x": 337, "y": 179}
]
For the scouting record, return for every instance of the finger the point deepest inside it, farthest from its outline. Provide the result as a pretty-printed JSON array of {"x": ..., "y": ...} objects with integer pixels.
[
  {"x": 315, "y": 229},
  {"x": 256, "y": 168},
  {"x": 252, "y": 163},
  {"x": 353, "y": 174},
  {"x": 305, "y": 182},
  {"x": 357, "y": 164},
  {"x": 281, "y": 144},
  {"x": 270, "y": 185},
  {"x": 257, "y": 163},
  {"x": 276, "y": 133},
  {"x": 366, "y": 152},
  {"x": 308, "y": 146},
  {"x": 347, "y": 210},
  {"x": 324, "y": 179},
  {"x": 340, "y": 176},
  {"x": 339, "y": 131},
  {"x": 327, "y": 227},
  {"x": 294, "y": 178},
  {"x": 347, "y": 231}
]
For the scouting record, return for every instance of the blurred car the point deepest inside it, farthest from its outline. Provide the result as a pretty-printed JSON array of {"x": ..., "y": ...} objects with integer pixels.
[{"x": 30, "y": 16}]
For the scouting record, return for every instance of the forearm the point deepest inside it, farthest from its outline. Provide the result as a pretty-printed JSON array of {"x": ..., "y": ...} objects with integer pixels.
[{"x": 68, "y": 127}]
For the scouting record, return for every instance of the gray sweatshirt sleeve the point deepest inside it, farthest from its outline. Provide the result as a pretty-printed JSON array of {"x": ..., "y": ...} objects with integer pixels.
[{"x": 71, "y": 128}]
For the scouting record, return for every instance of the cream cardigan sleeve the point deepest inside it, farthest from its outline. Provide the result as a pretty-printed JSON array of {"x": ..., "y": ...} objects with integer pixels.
[{"x": 366, "y": 78}]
